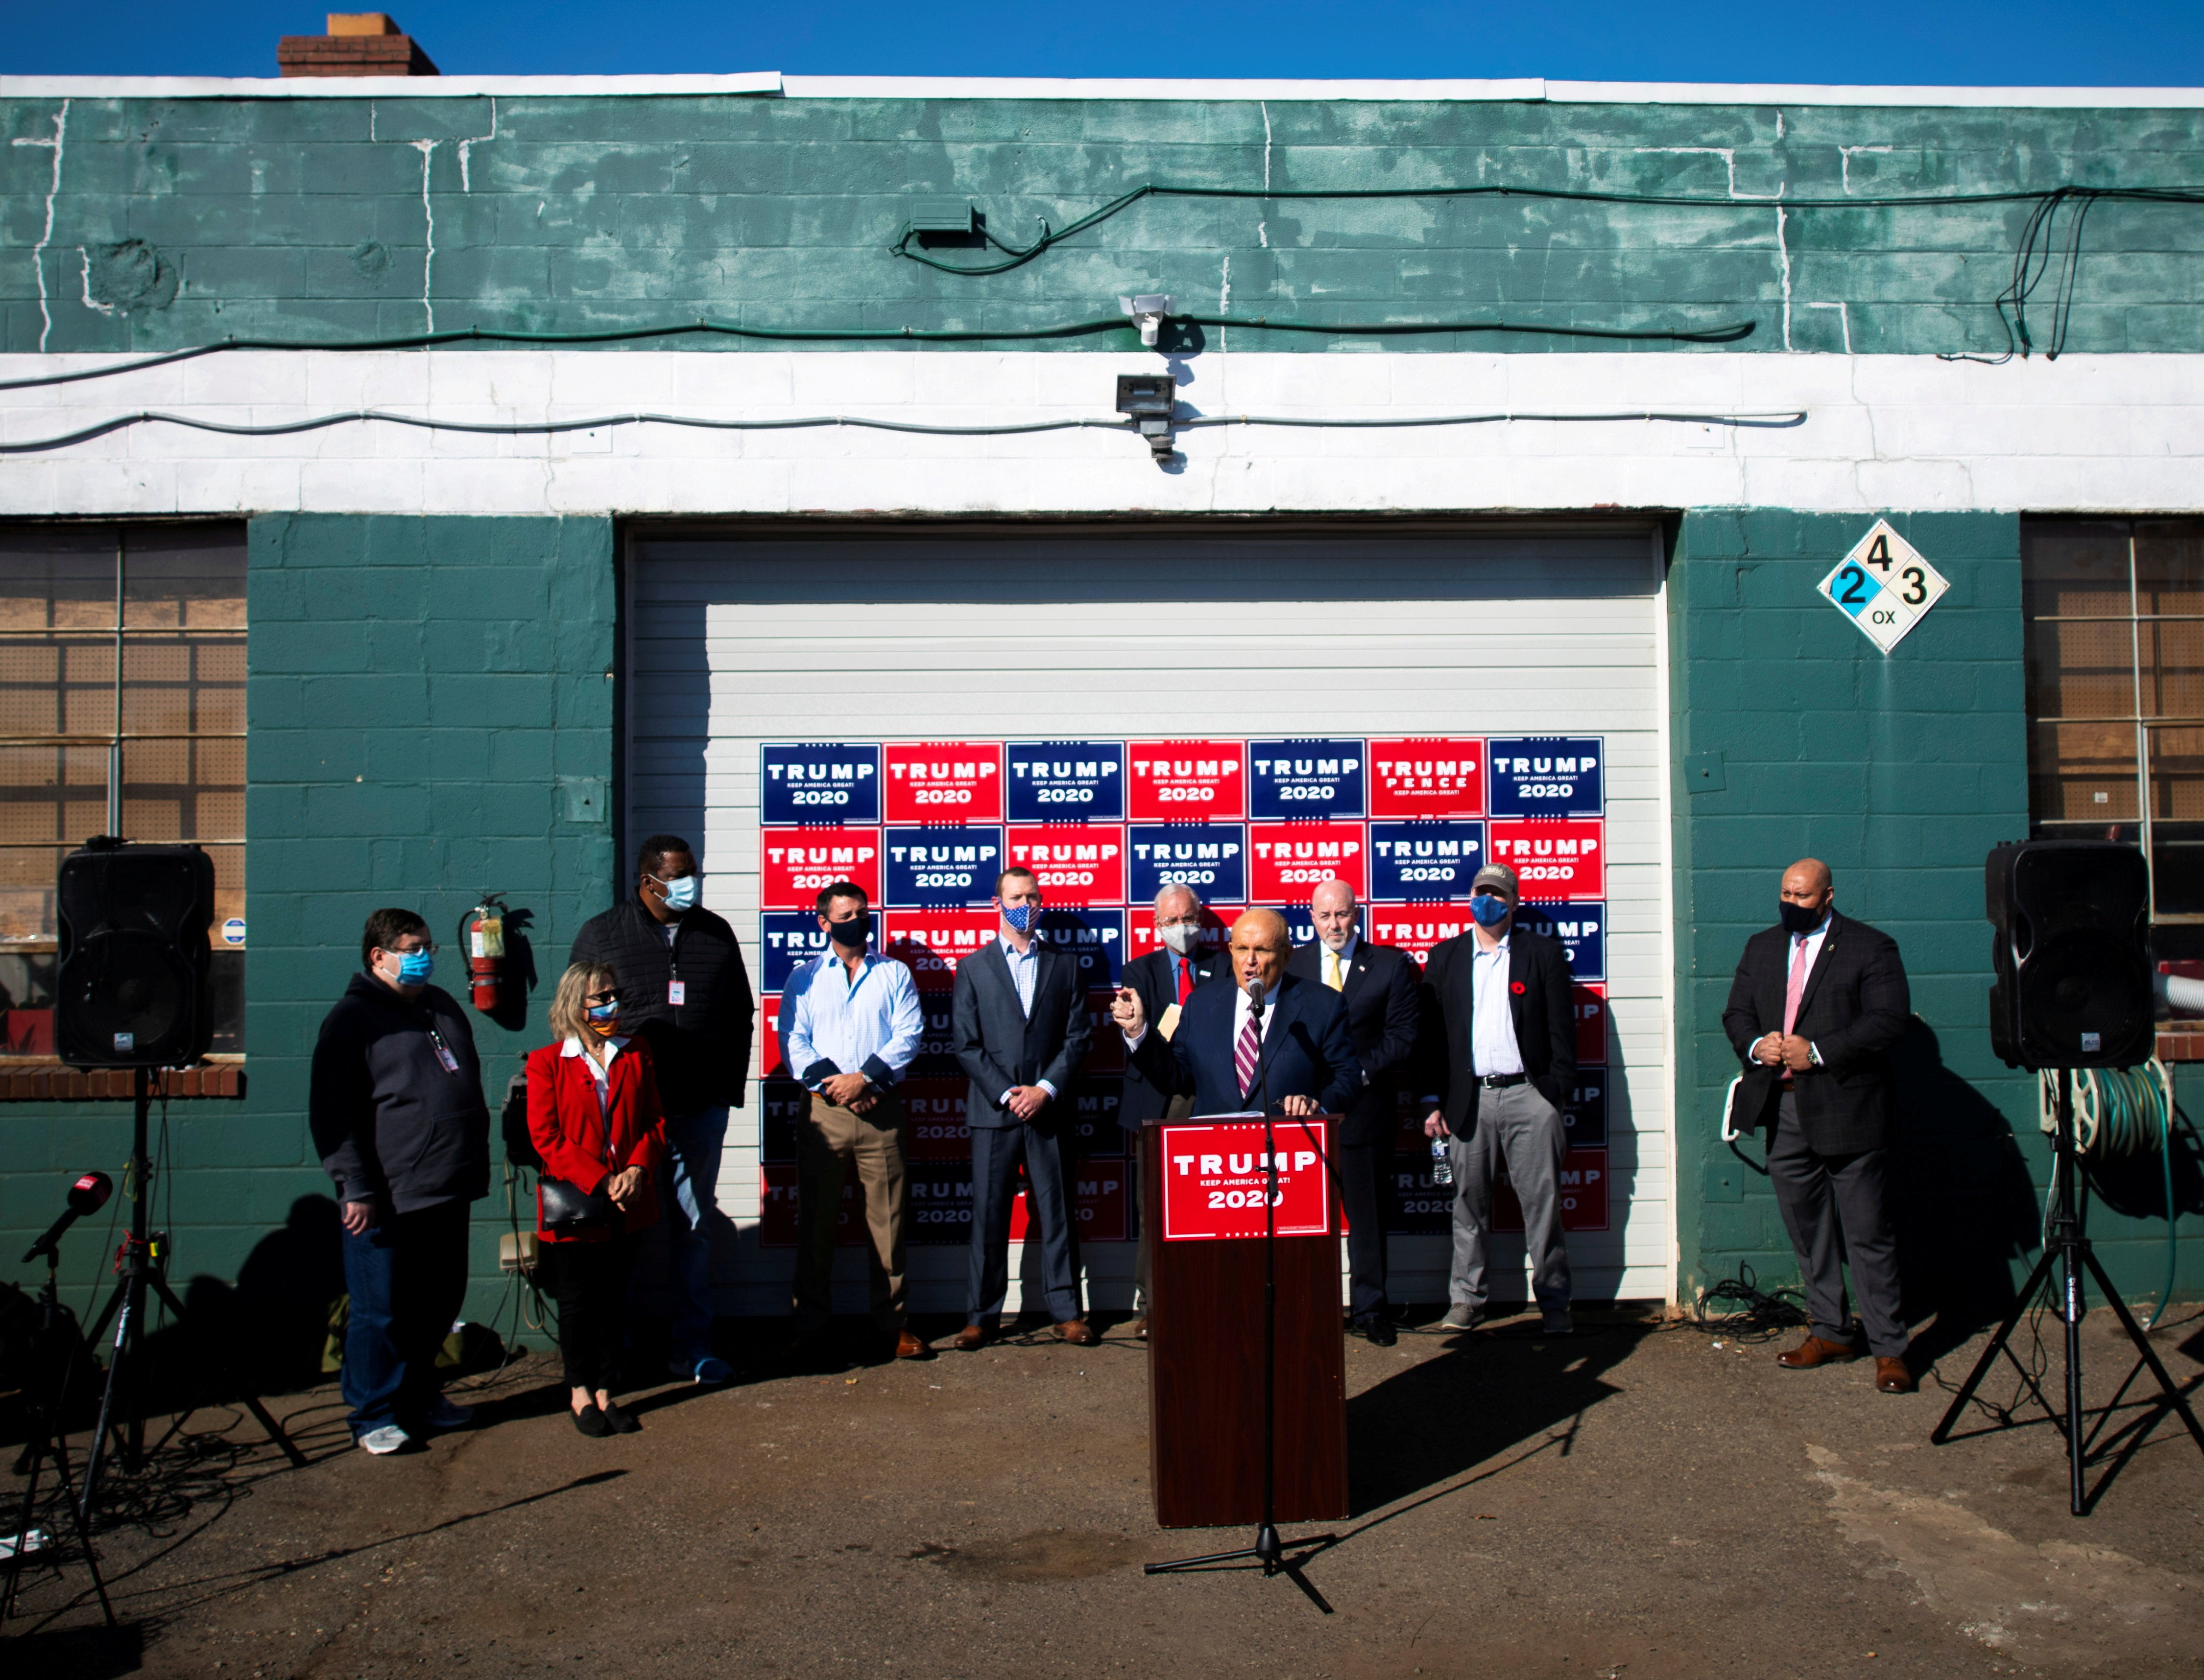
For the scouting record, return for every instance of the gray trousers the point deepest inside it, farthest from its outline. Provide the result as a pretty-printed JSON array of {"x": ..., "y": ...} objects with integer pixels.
[
  {"x": 1833, "y": 1206},
  {"x": 1519, "y": 1127}
]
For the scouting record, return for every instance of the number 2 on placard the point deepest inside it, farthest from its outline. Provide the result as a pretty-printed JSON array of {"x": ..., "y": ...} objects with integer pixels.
[{"x": 1850, "y": 582}]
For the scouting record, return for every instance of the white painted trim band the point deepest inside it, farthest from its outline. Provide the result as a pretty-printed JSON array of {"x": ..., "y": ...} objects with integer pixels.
[{"x": 1527, "y": 89}]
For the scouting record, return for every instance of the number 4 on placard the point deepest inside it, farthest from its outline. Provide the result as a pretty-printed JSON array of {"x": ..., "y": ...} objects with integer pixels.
[{"x": 1884, "y": 586}]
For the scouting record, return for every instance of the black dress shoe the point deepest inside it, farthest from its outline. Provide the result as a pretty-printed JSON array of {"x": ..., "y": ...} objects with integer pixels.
[
  {"x": 623, "y": 1420},
  {"x": 592, "y": 1422},
  {"x": 1379, "y": 1331}
]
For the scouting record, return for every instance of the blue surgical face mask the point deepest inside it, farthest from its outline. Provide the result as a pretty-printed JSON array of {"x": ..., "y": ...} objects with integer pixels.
[
  {"x": 1019, "y": 917},
  {"x": 680, "y": 895},
  {"x": 414, "y": 967},
  {"x": 1491, "y": 909}
]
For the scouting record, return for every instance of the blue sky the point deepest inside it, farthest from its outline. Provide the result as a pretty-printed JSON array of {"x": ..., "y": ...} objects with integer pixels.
[{"x": 2108, "y": 43}]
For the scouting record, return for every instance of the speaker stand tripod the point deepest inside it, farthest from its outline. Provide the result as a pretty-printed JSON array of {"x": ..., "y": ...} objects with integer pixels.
[
  {"x": 140, "y": 1265},
  {"x": 2068, "y": 1250}
]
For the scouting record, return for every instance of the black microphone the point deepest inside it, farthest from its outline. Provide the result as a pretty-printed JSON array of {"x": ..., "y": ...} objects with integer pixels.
[
  {"x": 88, "y": 1194},
  {"x": 1255, "y": 999}
]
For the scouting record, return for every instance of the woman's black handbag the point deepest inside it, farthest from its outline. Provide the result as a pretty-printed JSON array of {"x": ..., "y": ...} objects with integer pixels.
[{"x": 566, "y": 1209}]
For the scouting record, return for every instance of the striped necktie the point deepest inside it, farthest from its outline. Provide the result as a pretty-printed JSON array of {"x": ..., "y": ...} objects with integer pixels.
[{"x": 1247, "y": 1058}]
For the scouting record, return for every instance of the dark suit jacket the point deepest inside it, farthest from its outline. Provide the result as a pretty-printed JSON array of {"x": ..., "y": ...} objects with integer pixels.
[
  {"x": 998, "y": 1045},
  {"x": 1150, "y": 976},
  {"x": 1855, "y": 1008},
  {"x": 1382, "y": 1008},
  {"x": 1539, "y": 1000},
  {"x": 1306, "y": 1050}
]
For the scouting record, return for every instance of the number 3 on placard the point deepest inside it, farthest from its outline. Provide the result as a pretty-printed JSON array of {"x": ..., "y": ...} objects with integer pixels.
[
  {"x": 1916, "y": 589},
  {"x": 1850, "y": 582}
]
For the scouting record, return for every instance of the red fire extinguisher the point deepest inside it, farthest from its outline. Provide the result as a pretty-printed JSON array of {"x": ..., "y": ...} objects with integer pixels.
[{"x": 482, "y": 933}]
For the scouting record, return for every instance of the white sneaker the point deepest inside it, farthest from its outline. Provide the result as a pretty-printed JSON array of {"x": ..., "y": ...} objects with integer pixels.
[
  {"x": 1460, "y": 1317},
  {"x": 387, "y": 1439},
  {"x": 447, "y": 1415}
]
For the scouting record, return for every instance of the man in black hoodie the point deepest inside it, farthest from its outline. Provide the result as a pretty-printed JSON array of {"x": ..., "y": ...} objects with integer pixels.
[
  {"x": 685, "y": 990},
  {"x": 397, "y": 1117}
]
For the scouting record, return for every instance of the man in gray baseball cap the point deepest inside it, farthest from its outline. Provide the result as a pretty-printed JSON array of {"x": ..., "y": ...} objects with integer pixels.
[{"x": 1503, "y": 1070}]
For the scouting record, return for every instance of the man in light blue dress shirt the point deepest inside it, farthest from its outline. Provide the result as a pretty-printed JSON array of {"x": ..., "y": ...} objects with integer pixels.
[{"x": 849, "y": 1025}]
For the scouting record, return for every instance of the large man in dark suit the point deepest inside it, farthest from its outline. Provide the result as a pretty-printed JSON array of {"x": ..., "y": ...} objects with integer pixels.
[
  {"x": 1816, "y": 1003},
  {"x": 1165, "y": 980},
  {"x": 1300, "y": 1053},
  {"x": 1379, "y": 986},
  {"x": 1019, "y": 1020},
  {"x": 1504, "y": 1067}
]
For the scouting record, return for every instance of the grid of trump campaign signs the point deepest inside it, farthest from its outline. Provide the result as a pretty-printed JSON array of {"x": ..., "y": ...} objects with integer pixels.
[{"x": 925, "y": 827}]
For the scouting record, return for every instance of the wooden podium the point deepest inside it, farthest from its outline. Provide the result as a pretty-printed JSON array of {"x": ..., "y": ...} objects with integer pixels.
[{"x": 1202, "y": 1200}]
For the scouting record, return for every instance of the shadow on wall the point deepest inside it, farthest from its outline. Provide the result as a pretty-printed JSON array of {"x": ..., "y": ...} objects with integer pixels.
[
  {"x": 1962, "y": 1198},
  {"x": 272, "y": 1326}
]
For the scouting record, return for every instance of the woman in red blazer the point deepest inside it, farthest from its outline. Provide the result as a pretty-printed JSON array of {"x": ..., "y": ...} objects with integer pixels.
[{"x": 594, "y": 1114}]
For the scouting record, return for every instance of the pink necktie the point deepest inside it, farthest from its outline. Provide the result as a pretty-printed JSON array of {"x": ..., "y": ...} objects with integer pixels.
[
  {"x": 1245, "y": 1058},
  {"x": 1797, "y": 988}
]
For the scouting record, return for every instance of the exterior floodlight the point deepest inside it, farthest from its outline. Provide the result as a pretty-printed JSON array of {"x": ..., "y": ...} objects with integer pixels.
[
  {"x": 1150, "y": 399},
  {"x": 1147, "y": 312}
]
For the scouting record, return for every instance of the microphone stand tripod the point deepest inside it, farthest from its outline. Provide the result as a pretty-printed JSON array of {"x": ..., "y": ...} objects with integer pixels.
[
  {"x": 141, "y": 1265},
  {"x": 2067, "y": 1249},
  {"x": 1269, "y": 1549}
]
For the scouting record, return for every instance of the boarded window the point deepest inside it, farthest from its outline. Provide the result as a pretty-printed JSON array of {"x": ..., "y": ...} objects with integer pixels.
[{"x": 121, "y": 712}]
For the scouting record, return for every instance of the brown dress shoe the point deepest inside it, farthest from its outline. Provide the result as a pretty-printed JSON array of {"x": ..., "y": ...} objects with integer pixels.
[
  {"x": 969, "y": 1338},
  {"x": 1892, "y": 1376},
  {"x": 1077, "y": 1332},
  {"x": 1814, "y": 1350},
  {"x": 1139, "y": 1327},
  {"x": 908, "y": 1346}
]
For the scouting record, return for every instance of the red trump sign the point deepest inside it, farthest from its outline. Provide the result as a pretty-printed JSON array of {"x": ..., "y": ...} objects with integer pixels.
[
  {"x": 794, "y": 864},
  {"x": 1187, "y": 781},
  {"x": 1425, "y": 776},
  {"x": 1216, "y": 1180},
  {"x": 1287, "y": 860},
  {"x": 1077, "y": 864},
  {"x": 1558, "y": 859},
  {"x": 944, "y": 781}
]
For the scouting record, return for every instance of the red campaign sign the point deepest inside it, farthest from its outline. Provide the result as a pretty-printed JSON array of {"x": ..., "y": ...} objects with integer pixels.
[
  {"x": 1591, "y": 1023},
  {"x": 1216, "y": 1183},
  {"x": 1098, "y": 1194},
  {"x": 1288, "y": 860},
  {"x": 944, "y": 781},
  {"x": 1105, "y": 1044},
  {"x": 794, "y": 864},
  {"x": 1584, "y": 1194},
  {"x": 932, "y": 943},
  {"x": 768, "y": 1038},
  {"x": 1216, "y": 921},
  {"x": 1079, "y": 865},
  {"x": 1553, "y": 859},
  {"x": 1417, "y": 928},
  {"x": 1187, "y": 781},
  {"x": 1427, "y": 777},
  {"x": 933, "y": 1127},
  {"x": 777, "y": 1208}
]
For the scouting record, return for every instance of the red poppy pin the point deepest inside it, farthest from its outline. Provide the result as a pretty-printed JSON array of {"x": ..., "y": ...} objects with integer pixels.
[{"x": 1517, "y": 987}]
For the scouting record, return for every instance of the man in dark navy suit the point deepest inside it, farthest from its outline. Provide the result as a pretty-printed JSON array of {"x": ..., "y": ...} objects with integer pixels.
[
  {"x": 1299, "y": 1053},
  {"x": 1020, "y": 1020},
  {"x": 1382, "y": 993}
]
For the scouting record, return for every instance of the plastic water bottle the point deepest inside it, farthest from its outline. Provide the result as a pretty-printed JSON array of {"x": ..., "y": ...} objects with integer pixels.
[{"x": 1442, "y": 1165}]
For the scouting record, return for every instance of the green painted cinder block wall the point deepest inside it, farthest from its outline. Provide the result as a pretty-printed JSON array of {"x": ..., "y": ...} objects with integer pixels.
[
  {"x": 1795, "y": 736},
  {"x": 428, "y": 704},
  {"x": 154, "y": 224}
]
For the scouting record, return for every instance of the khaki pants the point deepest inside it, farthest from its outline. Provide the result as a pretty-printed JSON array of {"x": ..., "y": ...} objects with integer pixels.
[{"x": 831, "y": 1140}]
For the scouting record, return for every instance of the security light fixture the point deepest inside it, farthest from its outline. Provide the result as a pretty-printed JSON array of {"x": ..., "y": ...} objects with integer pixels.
[
  {"x": 942, "y": 216},
  {"x": 1149, "y": 398},
  {"x": 1147, "y": 312}
]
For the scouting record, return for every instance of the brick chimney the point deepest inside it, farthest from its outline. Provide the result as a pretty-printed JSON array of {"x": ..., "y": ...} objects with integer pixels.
[{"x": 358, "y": 44}]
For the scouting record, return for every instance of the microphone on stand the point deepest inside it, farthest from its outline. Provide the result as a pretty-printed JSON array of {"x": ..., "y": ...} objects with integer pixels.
[
  {"x": 88, "y": 1194},
  {"x": 1255, "y": 999}
]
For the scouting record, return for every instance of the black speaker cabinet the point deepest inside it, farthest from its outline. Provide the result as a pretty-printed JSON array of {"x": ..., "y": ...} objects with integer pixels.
[
  {"x": 131, "y": 987},
  {"x": 2072, "y": 953}
]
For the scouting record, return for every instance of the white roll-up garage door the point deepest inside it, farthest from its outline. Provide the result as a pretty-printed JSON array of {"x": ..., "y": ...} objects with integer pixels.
[{"x": 1532, "y": 654}]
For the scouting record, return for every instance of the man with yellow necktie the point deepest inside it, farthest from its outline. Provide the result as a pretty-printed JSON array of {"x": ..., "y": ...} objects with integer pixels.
[{"x": 1381, "y": 989}]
